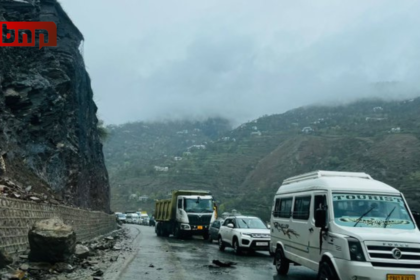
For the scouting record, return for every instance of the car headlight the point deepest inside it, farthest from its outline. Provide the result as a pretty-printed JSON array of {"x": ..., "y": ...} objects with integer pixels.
[
  {"x": 356, "y": 251},
  {"x": 247, "y": 234}
]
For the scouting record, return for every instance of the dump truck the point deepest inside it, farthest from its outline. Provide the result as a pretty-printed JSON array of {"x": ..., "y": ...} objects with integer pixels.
[{"x": 187, "y": 213}]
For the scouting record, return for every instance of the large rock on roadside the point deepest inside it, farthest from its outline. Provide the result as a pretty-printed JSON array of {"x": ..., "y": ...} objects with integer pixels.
[
  {"x": 51, "y": 241},
  {"x": 5, "y": 259},
  {"x": 82, "y": 252}
]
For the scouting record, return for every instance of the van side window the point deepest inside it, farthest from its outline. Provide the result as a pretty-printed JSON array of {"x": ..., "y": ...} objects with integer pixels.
[
  {"x": 276, "y": 208},
  {"x": 302, "y": 207},
  {"x": 320, "y": 200},
  {"x": 285, "y": 208}
]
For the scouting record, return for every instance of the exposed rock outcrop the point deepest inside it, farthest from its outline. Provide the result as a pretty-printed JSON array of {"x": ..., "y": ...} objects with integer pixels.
[
  {"x": 48, "y": 123},
  {"x": 51, "y": 241}
]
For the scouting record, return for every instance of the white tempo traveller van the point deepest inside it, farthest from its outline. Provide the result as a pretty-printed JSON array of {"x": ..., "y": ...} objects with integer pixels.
[{"x": 344, "y": 225}]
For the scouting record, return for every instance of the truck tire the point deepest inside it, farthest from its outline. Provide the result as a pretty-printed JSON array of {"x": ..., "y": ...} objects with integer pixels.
[
  {"x": 158, "y": 230},
  {"x": 177, "y": 232},
  {"x": 282, "y": 264},
  {"x": 165, "y": 232}
]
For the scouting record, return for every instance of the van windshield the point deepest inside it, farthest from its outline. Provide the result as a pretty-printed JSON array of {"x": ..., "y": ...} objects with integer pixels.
[{"x": 378, "y": 211}]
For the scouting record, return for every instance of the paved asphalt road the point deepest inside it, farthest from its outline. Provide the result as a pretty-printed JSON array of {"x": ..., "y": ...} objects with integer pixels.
[{"x": 169, "y": 258}]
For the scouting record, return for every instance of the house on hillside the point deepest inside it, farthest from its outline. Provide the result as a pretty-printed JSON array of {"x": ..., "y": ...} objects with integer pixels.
[
  {"x": 143, "y": 198},
  {"x": 378, "y": 109},
  {"x": 307, "y": 130},
  {"x": 395, "y": 130},
  {"x": 161, "y": 169},
  {"x": 198, "y": 147},
  {"x": 254, "y": 128},
  {"x": 257, "y": 133},
  {"x": 375, "y": 119},
  {"x": 177, "y": 158}
]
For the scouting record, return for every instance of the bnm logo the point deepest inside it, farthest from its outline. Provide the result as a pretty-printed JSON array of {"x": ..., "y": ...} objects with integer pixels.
[{"x": 23, "y": 34}]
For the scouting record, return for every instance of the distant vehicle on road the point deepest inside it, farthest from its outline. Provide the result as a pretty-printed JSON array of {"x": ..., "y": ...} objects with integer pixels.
[
  {"x": 244, "y": 233},
  {"x": 214, "y": 229},
  {"x": 121, "y": 217},
  {"x": 129, "y": 218},
  {"x": 187, "y": 213},
  {"x": 146, "y": 221},
  {"x": 345, "y": 225},
  {"x": 135, "y": 219}
]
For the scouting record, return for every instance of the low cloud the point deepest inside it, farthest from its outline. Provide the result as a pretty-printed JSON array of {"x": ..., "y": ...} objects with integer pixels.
[{"x": 241, "y": 62}]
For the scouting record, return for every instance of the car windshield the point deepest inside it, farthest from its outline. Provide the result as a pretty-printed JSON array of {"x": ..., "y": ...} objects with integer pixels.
[
  {"x": 370, "y": 210},
  {"x": 254, "y": 223},
  {"x": 198, "y": 205},
  {"x": 121, "y": 215}
]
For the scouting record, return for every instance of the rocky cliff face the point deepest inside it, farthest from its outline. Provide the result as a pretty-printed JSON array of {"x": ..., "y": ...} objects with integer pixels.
[{"x": 48, "y": 123}]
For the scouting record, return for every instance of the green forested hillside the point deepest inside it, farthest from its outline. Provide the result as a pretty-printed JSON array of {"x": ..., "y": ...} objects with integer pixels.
[{"x": 245, "y": 166}]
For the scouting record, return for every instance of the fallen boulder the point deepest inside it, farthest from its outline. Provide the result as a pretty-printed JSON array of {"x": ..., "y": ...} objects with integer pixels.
[
  {"x": 82, "y": 252},
  {"x": 5, "y": 259},
  {"x": 51, "y": 241}
]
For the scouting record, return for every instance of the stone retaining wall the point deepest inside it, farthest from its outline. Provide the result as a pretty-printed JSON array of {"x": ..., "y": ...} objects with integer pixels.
[{"x": 18, "y": 216}]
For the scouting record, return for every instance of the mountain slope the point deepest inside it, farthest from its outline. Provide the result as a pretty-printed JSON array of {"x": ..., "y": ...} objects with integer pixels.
[
  {"x": 245, "y": 166},
  {"x": 49, "y": 140}
]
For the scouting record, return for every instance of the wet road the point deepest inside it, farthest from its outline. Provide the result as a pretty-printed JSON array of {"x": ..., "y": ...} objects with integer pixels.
[{"x": 169, "y": 258}]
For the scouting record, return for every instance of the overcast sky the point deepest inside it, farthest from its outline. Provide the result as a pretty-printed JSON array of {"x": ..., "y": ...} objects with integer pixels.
[{"x": 153, "y": 60}]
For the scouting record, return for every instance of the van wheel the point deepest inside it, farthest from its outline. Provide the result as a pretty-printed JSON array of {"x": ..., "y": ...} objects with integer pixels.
[
  {"x": 221, "y": 244},
  {"x": 282, "y": 264},
  {"x": 236, "y": 247},
  {"x": 327, "y": 272}
]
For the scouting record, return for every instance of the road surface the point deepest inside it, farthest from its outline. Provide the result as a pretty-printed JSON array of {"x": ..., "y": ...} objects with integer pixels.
[{"x": 167, "y": 258}]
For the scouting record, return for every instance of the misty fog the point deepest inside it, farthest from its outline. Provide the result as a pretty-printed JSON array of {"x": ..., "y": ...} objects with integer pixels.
[{"x": 154, "y": 60}]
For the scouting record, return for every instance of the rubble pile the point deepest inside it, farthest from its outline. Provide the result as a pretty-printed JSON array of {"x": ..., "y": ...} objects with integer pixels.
[
  {"x": 90, "y": 261},
  {"x": 15, "y": 190}
]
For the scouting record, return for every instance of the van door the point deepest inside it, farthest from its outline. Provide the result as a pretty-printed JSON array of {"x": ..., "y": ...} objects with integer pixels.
[
  {"x": 299, "y": 231},
  {"x": 280, "y": 221},
  {"x": 320, "y": 200}
]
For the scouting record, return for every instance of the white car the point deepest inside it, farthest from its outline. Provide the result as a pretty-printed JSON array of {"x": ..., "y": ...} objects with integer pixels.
[{"x": 244, "y": 233}]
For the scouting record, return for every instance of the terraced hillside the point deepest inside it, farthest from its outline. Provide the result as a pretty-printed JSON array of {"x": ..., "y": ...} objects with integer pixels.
[{"x": 245, "y": 166}]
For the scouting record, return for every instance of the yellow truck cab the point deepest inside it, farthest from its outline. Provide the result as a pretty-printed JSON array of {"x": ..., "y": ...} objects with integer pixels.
[{"x": 187, "y": 213}]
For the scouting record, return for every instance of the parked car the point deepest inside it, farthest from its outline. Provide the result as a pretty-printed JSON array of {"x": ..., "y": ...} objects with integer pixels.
[
  {"x": 345, "y": 225},
  {"x": 244, "y": 233},
  {"x": 214, "y": 229},
  {"x": 121, "y": 217}
]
